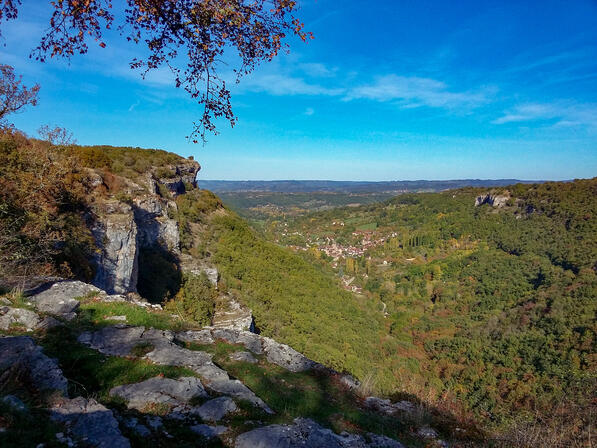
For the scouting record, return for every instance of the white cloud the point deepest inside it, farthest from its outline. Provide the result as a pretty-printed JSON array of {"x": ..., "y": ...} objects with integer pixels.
[
  {"x": 561, "y": 114},
  {"x": 309, "y": 111},
  {"x": 412, "y": 91}
]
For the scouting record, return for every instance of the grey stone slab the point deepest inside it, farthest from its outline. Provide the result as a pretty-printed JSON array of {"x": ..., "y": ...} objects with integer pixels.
[
  {"x": 59, "y": 299},
  {"x": 23, "y": 354},
  {"x": 159, "y": 390},
  {"x": 90, "y": 421},
  {"x": 216, "y": 409},
  {"x": 286, "y": 356}
]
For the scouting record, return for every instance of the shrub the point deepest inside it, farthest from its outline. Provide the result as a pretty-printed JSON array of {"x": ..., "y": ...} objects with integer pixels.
[{"x": 195, "y": 299}]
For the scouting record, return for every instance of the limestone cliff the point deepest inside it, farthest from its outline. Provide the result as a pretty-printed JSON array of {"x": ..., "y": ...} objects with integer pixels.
[
  {"x": 134, "y": 219},
  {"x": 493, "y": 199}
]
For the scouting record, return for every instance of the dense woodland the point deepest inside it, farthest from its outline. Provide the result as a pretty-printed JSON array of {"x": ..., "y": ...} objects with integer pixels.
[{"x": 493, "y": 306}]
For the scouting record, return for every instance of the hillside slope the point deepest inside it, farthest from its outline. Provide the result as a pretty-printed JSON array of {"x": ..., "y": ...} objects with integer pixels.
[{"x": 490, "y": 296}]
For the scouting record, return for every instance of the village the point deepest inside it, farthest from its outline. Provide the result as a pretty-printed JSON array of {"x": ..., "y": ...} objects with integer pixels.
[{"x": 362, "y": 242}]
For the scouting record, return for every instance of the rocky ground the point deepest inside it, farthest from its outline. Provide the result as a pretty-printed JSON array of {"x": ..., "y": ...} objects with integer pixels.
[{"x": 100, "y": 379}]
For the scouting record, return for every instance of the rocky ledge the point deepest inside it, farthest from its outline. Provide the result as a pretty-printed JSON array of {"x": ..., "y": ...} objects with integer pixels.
[{"x": 207, "y": 403}]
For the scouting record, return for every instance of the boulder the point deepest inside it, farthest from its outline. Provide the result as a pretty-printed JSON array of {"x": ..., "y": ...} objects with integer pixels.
[
  {"x": 10, "y": 317},
  {"x": 159, "y": 390},
  {"x": 427, "y": 432},
  {"x": 90, "y": 421},
  {"x": 115, "y": 341},
  {"x": 59, "y": 299},
  {"x": 22, "y": 354},
  {"x": 216, "y": 409}
]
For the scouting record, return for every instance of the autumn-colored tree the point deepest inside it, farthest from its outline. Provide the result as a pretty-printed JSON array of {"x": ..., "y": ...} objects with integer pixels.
[
  {"x": 189, "y": 37},
  {"x": 56, "y": 135},
  {"x": 13, "y": 94}
]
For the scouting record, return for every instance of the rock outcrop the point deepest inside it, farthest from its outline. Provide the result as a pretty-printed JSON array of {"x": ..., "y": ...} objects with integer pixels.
[
  {"x": 19, "y": 317},
  {"x": 495, "y": 200},
  {"x": 385, "y": 406},
  {"x": 117, "y": 262},
  {"x": 230, "y": 314},
  {"x": 275, "y": 352},
  {"x": 161, "y": 349},
  {"x": 306, "y": 433},
  {"x": 178, "y": 176}
]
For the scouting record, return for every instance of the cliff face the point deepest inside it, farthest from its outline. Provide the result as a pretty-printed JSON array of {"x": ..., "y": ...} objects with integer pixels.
[
  {"x": 137, "y": 219},
  {"x": 495, "y": 200}
]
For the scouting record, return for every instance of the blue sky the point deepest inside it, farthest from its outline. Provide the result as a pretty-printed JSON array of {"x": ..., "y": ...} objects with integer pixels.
[{"x": 387, "y": 90}]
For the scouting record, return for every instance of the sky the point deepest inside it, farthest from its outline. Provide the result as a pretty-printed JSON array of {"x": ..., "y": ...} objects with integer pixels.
[{"x": 387, "y": 90}]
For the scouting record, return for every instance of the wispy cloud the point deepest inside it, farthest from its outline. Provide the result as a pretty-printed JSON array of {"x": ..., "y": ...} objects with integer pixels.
[
  {"x": 317, "y": 70},
  {"x": 134, "y": 105},
  {"x": 558, "y": 114},
  {"x": 309, "y": 111},
  {"x": 412, "y": 91},
  {"x": 278, "y": 85}
]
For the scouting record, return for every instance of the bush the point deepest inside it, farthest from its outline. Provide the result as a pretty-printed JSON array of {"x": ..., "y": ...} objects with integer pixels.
[
  {"x": 42, "y": 209},
  {"x": 195, "y": 300}
]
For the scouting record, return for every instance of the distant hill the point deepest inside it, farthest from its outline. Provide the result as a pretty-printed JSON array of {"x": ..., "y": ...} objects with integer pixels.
[{"x": 302, "y": 186}]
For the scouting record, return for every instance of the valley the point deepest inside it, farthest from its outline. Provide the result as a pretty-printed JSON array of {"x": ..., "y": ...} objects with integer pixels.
[{"x": 458, "y": 317}]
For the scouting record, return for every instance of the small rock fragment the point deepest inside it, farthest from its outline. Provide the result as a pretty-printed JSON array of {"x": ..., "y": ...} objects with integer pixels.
[{"x": 427, "y": 433}]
